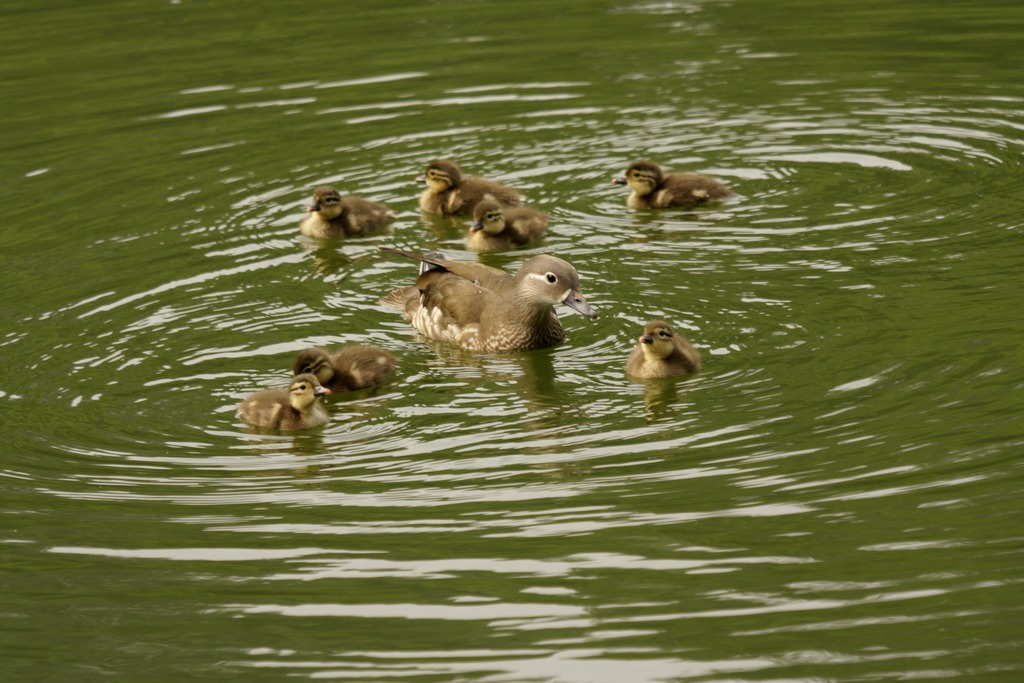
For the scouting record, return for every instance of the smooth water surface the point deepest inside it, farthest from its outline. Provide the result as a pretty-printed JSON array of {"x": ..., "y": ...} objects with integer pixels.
[{"x": 834, "y": 497}]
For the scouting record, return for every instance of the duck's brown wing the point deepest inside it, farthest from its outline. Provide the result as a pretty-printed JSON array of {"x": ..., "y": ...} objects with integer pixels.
[
  {"x": 363, "y": 366},
  {"x": 478, "y": 273},
  {"x": 472, "y": 191},
  {"x": 364, "y": 215},
  {"x": 526, "y": 224},
  {"x": 458, "y": 301},
  {"x": 689, "y": 189}
]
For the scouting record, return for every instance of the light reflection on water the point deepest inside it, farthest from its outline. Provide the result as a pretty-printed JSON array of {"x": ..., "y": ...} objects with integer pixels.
[{"x": 596, "y": 527}]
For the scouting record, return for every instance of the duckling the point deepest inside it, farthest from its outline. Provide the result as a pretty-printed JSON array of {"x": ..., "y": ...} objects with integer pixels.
[
  {"x": 331, "y": 215},
  {"x": 652, "y": 188},
  {"x": 449, "y": 194},
  {"x": 496, "y": 228},
  {"x": 481, "y": 308},
  {"x": 348, "y": 369},
  {"x": 297, "y": 407},
  {"x": 662, "y": 352}
]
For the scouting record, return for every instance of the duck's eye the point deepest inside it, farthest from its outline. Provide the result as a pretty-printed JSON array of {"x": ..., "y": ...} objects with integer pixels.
[
  {"x": 302, "y": 387},
  {"x": 493, "y": 216},
  {"x": 551, "y": 277}
]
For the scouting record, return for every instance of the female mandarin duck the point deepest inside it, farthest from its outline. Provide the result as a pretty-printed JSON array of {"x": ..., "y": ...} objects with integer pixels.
[
  {"x": 297, "y": 407},
  {"x": 496, "y": 228},
  {"x": 348, "y": 369},
  {"x": 331, "y": 215},
  {"x": 448, "y": 193},
  {"x": 486, "y": 309},
  {"x": 652, "y": 188},
  {"x": 662, "y": 352}
]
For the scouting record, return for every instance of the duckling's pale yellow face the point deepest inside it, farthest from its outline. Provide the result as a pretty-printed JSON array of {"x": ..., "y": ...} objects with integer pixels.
[
  {"x": 491, "y": 220},
  {"x": 642, "y": 180},
  {"x": 327, "y": 202},
  {"x": 304, "y": 391},
  {"x": 438, "y": 179},
  {"x": 441, "y": 175},
  {"x": 656, "y": 341}
]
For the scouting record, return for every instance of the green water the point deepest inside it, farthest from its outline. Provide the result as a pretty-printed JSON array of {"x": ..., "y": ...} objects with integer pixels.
[{"x": 835, "y": 497}]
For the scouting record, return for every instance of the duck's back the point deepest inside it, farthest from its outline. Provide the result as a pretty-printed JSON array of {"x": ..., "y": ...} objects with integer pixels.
[
  {"x": 463, "y": 198},
  {"x": 360, "y": 216},
  {"x": 359, "y": 367},
  {"x": 526, "y": 224},
  {"x": 450, "y": 308},
  {"x": 685, "y": 189}
]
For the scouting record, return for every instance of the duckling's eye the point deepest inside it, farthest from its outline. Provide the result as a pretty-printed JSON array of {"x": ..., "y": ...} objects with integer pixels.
[
  {"x": 551, "y": 277},
  {"x": 302, "y": 387},
  {"x": 663, "y": 333},
  {"x": 493, "y": 216}
]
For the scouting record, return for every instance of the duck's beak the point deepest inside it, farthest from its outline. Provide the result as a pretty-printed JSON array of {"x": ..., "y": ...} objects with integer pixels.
[
  {"x": 312, "y": 208},
  {"x": 322, "y": 391},
  {"x": 479, "y": 225},
  {"x": 646, "y": 339},
  {"x": 574, "y": 300},
  {"x": 420, "y": 179},
  {"x": 619, "y": 180}
]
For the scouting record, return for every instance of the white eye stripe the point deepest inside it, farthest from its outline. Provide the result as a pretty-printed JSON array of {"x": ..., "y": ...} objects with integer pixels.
[{"x": 548, "y": 278}]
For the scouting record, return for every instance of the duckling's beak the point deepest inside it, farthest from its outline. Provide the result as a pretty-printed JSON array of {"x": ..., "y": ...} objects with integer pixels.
[
  {"x": 619, "y": 180},
  {"x": 479, "y": 225},
  {"x": 574, "y": 300},
  {"x": 420, "y": 179},
  {"x": 646, "y": 339},
  {"x": 312, "y": 208},
  {"x": 321, "y": 391}
]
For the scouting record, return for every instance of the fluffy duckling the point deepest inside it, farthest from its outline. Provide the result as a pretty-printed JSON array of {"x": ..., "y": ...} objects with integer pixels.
[
  {"x": 297, "y": 407},
  {"x": 348, "y": 369},
  {"x": 331, "y": 215},
  {"x": 662, "y": 352},
  {"x": 481, "y": 308},
  {"x": 652, "y": 188},
  {"x": 496, "y": 228},
  {"x": 449, "y": 194}
]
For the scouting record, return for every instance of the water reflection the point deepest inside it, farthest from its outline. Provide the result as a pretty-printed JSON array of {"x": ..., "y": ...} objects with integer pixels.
[{"x": 841, "y": 471}]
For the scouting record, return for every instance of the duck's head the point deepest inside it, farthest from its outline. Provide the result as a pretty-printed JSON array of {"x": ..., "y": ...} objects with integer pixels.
[
  {"x": 304, "y": 391},
  {"x": 642, "y": 177},
  {"x": 656, "y": 341},
  {"x": 441, "y": 175},
  {"x": 488, "y": 216},
  {"x": 551, "y": 280},
  {"x": 316, "y": 362},
  {"x": 326, "y": 202}
]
